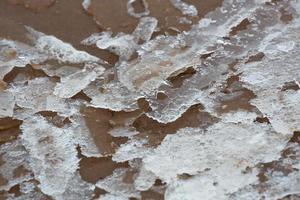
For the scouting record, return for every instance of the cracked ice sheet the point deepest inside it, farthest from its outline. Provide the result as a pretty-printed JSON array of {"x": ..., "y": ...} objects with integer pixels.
[
  {"x": 219, "y": 154},
  {"x": 213, "y": 69},
  {"x": 267, "y": 78}
]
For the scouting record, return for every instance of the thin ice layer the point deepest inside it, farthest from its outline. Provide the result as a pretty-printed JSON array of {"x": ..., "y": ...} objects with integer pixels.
[
  {"x": 53, "y": 157},
  {"x": 74, "y": 83}
]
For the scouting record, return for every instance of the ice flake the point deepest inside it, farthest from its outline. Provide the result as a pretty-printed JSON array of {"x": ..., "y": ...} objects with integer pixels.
[
  {"x": 74, "y": 83},
  {"x": 7, "y": 104},
  {"x": 185, "y": 8},
  {"x": 52, "y": 154}
]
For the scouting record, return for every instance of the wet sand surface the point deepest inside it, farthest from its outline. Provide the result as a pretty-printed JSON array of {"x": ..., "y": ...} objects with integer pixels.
[{"x": 71, "y": 23}]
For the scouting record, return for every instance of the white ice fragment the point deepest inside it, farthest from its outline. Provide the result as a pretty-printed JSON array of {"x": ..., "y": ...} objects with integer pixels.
[
  {"x": 115, "y": 185},
  {"x": 74, "y": 83},
  {"x": 131, "y": 11},
  {"x": 59, "y": 50},
  {"x": 7, "y": 104},
  {"x": 52, "y": 154},
  {"x": 185, "y": 8}
]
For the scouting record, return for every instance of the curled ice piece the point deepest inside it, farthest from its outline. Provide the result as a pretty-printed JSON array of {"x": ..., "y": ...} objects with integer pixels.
[
  {"x": 92, "y": 39},
  {"x": 113, "y": 96},
  {"x": 59, "y": 50},
  {"x": 7, "y": 104},
  {"x": 131, "y": 11},
  {"x": 74, "y": 83},
  {"x": 185, "y": 8},
  {"x": 115, "y": 185},
  {"x": 52, "y": 153},
  {"x": 145, "y": 29}
]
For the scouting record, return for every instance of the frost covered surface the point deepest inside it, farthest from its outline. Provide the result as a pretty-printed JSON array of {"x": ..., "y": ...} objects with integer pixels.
[{"x": 208, "y": 113}]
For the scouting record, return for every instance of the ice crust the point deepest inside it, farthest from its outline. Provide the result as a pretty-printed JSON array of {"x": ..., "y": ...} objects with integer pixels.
[{"x": 224, "y": 160}]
